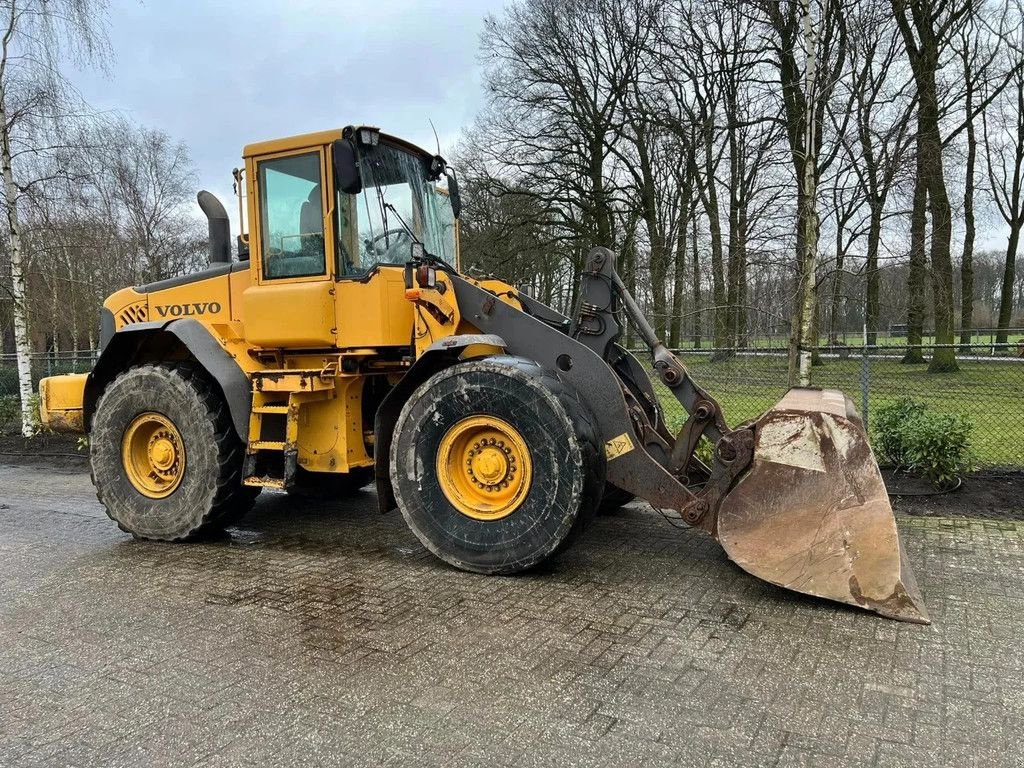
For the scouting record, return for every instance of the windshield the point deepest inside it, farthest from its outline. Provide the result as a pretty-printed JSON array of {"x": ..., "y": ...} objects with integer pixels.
[{"x": 398, "y": 204}]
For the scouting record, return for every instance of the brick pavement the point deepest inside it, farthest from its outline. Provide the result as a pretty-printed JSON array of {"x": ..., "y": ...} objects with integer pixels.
[{"x": 325, "y": 634}]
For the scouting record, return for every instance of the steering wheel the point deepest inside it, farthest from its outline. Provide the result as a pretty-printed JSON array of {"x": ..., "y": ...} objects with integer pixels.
[{"x": 395, "y": 252}]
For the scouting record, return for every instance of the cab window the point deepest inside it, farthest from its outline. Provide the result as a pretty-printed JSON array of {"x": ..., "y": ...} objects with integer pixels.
[
  {"x": 291, "y": 216},
  {"x": 398, "y": 205}
]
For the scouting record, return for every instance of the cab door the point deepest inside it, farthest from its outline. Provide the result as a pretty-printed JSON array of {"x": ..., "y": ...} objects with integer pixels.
[{"x": 291, "y": 301}]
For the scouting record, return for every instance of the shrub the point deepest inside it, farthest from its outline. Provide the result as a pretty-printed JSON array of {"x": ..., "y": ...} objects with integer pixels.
[
  {"x": 910, "y": 436},
  {"x": 10, "y": 410},
  {"x": 705, "y": 451},
  {"x": 888, "y": 426},
  {"x": 8, "y": 380}
]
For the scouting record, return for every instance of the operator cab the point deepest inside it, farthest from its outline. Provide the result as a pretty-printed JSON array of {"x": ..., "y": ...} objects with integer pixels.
[
  {"x": 334, "y": 217},
  {"x": 347, "y": 206}
]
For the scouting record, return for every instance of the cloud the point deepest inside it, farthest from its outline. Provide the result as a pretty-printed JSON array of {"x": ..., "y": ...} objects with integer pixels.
[{"x": 220, "y": 74}]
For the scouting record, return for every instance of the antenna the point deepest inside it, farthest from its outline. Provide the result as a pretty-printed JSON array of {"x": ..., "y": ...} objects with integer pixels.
[{"x": 437, "y": 140}]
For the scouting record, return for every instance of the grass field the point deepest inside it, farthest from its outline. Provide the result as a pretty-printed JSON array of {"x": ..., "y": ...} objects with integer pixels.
[
  {"x": 991, "y": 394},
  {"x": 982, "y": 344}
]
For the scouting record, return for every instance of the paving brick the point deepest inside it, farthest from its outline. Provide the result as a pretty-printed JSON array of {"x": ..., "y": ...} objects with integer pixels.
[{"x": 325, "y": 634}]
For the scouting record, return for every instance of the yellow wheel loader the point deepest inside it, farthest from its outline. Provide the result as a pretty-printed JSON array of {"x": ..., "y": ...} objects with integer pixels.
[{"x": 346, "y": 348}]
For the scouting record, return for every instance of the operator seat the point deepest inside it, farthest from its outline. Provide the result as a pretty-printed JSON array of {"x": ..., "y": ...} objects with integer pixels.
[
  {"x": 311, "y": 214},
  {"x": 310, "y": 259}
]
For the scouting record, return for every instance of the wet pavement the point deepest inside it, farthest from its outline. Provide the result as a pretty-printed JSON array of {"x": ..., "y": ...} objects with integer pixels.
[{"x": 324, "y": 634}]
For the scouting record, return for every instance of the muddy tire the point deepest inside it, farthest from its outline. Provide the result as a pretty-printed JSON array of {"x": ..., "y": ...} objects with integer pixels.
[
  {"x": 467, "y": 425},
  {"x": 330, "y": 485},
  {"x": 175, "y": 411}
]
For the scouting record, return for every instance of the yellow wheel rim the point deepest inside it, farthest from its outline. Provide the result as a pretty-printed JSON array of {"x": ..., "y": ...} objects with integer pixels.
[
  {"x": 153, "y": 455},
  {"x": 484, "y": 467}
]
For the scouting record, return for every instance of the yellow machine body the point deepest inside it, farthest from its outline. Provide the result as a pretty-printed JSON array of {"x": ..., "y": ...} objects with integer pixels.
[
  {"x": 60, "y": 402},
  {"x": 348, "y": 297},
  {"x": 329, "y": 322}
]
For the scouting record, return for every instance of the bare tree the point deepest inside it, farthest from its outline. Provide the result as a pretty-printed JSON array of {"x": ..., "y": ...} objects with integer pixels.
[
  {"x": 557, "y": 74},
  {"x": 34, "y": 99},
  {"x": 927, "y": 28},
  {"x": 882, "y": 105},
  {"x": 1004, "y": 158},
  {"x": 809, "y": 38},
  {"x": 145, "y": 183},
  {"x": 687, "y": 72}
]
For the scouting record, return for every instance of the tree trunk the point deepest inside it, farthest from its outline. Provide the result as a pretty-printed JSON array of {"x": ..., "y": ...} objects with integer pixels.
[
  {"x": 601, "y": 212},
  {"x": 697, "y": 325},
  {"x": 733, "y": 276},
  {"x": 967, "y": 255},
  {"x": 874, "y": 280},
  {"x": 1009, "y": 276},
  {"x": 659, "y": 248},
  {"x": 803, "y": 342},
  {"x": 944, "y": 355},
  {"x": 816, "y": 333},
  {"x": 741, "y": 307},
  {"x": 837, "y": 285},
  {"x": 1015, "y": 220},
  {"x": 837, "y": 297},
  {"x": 19, "y": 297},
  {"x": 717, "y": 259},
  {"x": 917, "y": 272},
  {"x": 679, "y": 280}
]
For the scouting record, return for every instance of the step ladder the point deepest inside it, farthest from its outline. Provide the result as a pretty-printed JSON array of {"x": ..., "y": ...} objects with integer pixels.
[{"x": 271, "y": 456}]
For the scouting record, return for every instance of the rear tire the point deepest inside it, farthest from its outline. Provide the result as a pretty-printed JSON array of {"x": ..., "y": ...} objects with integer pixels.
[
  {"x": 330, "y": 485},
  {"x": 544, "y": 499},
  {"x": 192, "y": 484}
]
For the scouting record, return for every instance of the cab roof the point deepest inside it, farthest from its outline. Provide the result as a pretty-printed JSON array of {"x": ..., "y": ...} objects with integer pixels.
[{"x": 302, "y": 140}]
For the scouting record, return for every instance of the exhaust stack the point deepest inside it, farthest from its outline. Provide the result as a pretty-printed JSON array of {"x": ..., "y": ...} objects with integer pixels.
[{"x": 220, "y": 228}]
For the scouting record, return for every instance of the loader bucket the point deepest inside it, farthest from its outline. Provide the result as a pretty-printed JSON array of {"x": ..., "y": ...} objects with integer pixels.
[{"x": 812, "y": 513}]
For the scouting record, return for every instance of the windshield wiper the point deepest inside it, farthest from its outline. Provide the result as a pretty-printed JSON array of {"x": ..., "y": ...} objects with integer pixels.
[{"x": 412, "y": 234}]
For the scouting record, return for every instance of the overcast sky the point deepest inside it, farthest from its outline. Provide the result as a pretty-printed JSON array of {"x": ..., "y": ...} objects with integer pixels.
[
  {"x": 222, "y": 73},
  {"x": 218, "y": 74}
]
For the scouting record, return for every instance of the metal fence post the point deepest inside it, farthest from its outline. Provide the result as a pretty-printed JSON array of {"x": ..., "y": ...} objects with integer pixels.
[{"x": 865, "y": 378}]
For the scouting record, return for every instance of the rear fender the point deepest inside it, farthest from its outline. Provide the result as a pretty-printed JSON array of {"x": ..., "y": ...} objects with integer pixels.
[
  {"x": 145, "y": 341},
  {"x": 60, "y": 402},
  {"x": 438, "y": 356}
]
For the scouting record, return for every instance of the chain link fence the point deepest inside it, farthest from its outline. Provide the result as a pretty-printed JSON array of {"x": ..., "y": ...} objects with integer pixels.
[
  {"x": 988, "y": 388},
  {"x": 43, "y": 365}
]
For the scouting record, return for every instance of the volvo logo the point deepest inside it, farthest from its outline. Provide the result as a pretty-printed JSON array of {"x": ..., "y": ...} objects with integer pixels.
[{"x": 188, "y": 310}]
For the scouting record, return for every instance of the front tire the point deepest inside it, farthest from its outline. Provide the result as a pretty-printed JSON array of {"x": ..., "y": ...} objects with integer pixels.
[
  {"x": 166, "y": 461},
  {"x": 496, "y": 465}
]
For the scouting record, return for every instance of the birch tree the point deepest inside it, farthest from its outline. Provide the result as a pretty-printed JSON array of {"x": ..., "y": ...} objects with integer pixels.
[
  {"x": 809, "y": 38},
  {"x": 35, "y": 101}
]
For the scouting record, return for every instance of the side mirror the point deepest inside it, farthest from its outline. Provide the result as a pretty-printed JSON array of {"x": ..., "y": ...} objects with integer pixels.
[
  {"x": 346, "y": 168},
  {"x": 243, "y": 249},
  {"x": 453, "y": 193}
]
